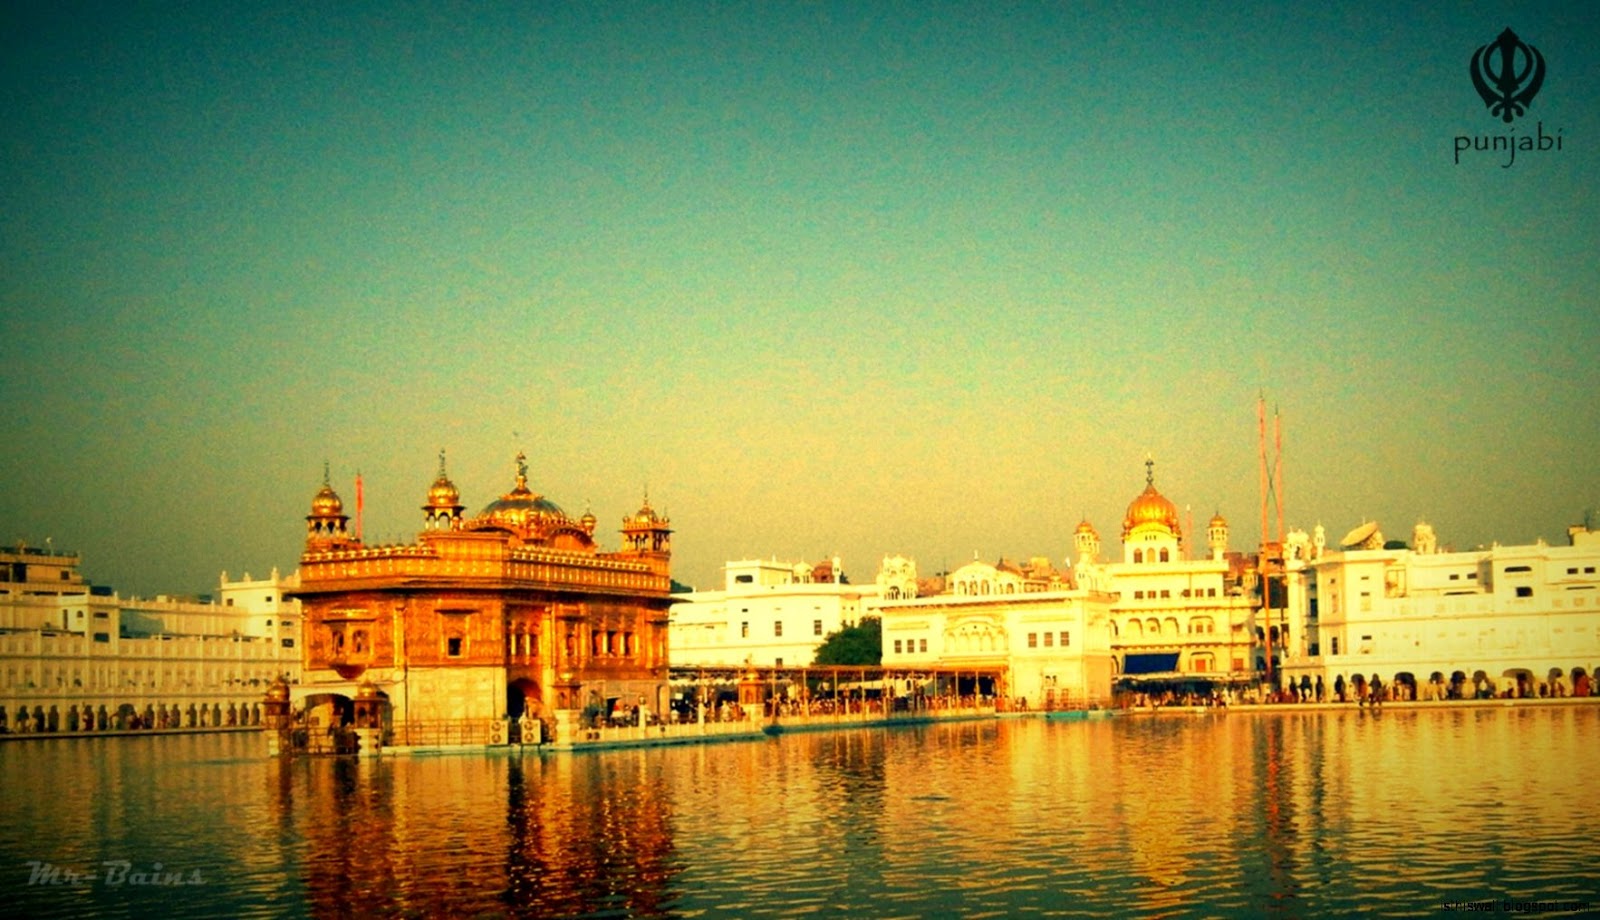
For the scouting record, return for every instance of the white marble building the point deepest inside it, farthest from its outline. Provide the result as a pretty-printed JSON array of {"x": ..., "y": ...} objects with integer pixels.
[
  {"x": 1052, "y": 640},
  {"x": 1508, "y": 620},
  {"x": 768, "y": 614},
  {"x": 66, "y": 645}
]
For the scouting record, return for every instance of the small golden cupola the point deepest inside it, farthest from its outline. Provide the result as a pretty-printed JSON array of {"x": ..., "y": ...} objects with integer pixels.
[
  {"x": 1217, "y": 535},
  {"x": 1086, "y": 540},
  {"x": 443, "y": 510},
  {"x": 646, "y": 531},
  {"x": 327, "y": 524}
]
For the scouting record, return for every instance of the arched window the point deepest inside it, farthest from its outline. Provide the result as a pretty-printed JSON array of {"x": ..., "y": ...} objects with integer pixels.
[{"x": 1164, "y": 555}]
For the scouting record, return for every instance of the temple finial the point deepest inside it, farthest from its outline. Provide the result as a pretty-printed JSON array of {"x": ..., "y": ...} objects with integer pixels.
[{"x": 1149, "y": 470}]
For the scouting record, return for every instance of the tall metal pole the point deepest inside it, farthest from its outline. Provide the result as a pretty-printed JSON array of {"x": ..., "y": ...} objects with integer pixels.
[
  {"x": 1261, "y": 558},
  {"x": 1277, "y": 496}
]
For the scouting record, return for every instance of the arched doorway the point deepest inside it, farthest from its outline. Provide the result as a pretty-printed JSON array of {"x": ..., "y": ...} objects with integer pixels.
[
  {"x": 1517, "y": 683},
  {"x": 1556, "y": 684},
  {"x": 323, "y": 720},
  {"x": 523, "y": 699},
  {"x": 1405, "y": 686}
]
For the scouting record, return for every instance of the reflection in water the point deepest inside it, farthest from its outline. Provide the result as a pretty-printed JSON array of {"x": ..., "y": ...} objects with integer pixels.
[{"x": 1291, "y": 814}]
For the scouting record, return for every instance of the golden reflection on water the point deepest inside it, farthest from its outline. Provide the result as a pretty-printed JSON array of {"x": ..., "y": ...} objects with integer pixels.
[{"x": 1293, "y": 813}]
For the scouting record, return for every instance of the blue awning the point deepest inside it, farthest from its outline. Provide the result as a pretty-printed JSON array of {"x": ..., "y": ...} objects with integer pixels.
[{"x": 1150, "y": 663}]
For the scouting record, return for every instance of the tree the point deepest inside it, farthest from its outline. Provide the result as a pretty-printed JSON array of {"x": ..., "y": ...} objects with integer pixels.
[{"x": 861, "y": 644}]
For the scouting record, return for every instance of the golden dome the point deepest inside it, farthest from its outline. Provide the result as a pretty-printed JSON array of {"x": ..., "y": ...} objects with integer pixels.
[
  {"x": 645, "y": 517},
  {"x": 523, "y": 511},
  {"x": 1218, "y": 520},
  {"x": 1151, "y": 507},
  {"x": 326, "y": 502},
  {"x": 1085, "y": 527},
  {"x": 443, "y": 493}
]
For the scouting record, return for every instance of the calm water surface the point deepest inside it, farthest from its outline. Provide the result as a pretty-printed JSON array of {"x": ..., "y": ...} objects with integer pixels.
[{"x": 1287, "y": 814}]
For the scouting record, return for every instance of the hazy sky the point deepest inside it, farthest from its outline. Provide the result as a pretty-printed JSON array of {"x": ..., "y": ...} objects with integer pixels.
[{"x": 855, "y": 278}]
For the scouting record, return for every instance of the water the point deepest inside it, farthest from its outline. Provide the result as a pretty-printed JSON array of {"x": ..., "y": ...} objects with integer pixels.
[{"x": 1297, "y": 814}]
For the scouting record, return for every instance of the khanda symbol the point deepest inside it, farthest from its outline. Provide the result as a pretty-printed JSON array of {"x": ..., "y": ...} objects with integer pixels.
[{"x": 1505, "y": 87}]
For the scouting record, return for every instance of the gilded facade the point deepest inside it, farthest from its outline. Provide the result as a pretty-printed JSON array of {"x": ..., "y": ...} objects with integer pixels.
[{"x": 483, "y": 626}]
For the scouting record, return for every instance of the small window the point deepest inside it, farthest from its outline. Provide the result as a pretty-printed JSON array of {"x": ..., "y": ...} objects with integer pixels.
[
  {"x": 924, "y": 644},
  {"x": 816, "y": 627},
  {"x": 1524, "y": 591},
  {"x": 897, "y": 646},
  {"x": 102, "y": 637},
  {"x": 744, "y": 630},
  {"x": 777, "y": 628},
  {"x": 453, "y": 646},
  {"x": 1518, "y": 568},
  {"x": 1033, "y": 640},
  {"x": 1066, "y": 638},
  {"x": 1047, "y": 639},
  {"x": 288, "y": 643},
  {"x": 1588, "y": 570}
]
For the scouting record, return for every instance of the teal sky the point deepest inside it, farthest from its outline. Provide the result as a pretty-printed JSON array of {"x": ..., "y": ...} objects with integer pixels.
[{"x": 826, "y": 278}]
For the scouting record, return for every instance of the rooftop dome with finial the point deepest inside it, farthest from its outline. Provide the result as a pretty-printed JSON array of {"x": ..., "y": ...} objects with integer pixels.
[
  {"x": 1085, "y": 527},
  {"x": 1150, "y": 507},
  {"x": 525, "y": 512},
  {"x": 443, "y": 493},
  {"x": 1217, "y": 520},
  {"x": 326, "y": 502},
  {"x": 645, "y": 516}
]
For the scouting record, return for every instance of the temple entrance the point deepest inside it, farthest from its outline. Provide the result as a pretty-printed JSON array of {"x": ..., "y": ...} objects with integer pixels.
[
  {"x": 523, "y": 701},
  {"x": 325, "y": 724}
]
